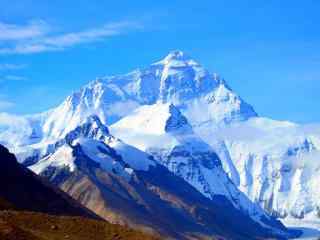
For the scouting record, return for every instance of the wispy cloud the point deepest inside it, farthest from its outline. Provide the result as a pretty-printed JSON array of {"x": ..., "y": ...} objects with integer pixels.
[
  {"x": 15, "y": 123},
  {"x": 4, "y": 105},
  {"x": 9, "y": 66},
  {"x": 27, "y": 48},
  {"x": 15, "y": 78},
  {"x": 33, "y": 29},
  {"x": 36, "y": 38},
  {"x": 90, "y": 35},
  {"x": 9, "y": 73}
]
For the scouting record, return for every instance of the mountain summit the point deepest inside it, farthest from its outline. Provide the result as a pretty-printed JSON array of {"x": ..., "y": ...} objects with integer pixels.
[
  {"x": 201, "y": 96},
  {"x": 176, "y": 55}
]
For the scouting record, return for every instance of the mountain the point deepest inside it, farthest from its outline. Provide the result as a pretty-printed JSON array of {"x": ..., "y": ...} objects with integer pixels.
[
  {"x": 164, "y": 132},
  {"x": 272, "y": 162},
  {"x": 25, "y": 190},
  {"x": 275, "y": 163},
  {"x": 125, "y": 185},
  {"x": 177, "y": 79},
  {"x": 26, "y": 200}
]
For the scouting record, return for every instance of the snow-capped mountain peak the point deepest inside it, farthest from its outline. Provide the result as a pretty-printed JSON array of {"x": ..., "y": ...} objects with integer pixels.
[
  {"x": 92, "y": 127},
  {"x": 164, "y": 132},
  {"x": 178, "y": 79},
  {"x": 177, "y": 123},
  {"x": 177, "y": 59},
  {"x": 183, "y": 79},
  {"x": 93, "y": 140}
]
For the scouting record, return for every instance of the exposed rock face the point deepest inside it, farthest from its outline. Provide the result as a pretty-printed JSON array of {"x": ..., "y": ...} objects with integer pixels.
[{"x": 26, "y": 191}]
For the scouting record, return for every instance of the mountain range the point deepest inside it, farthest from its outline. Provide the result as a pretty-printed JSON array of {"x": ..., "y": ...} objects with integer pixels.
[
  {"x": 112, "y": 142},
  {"x": 127, "y": 186}
]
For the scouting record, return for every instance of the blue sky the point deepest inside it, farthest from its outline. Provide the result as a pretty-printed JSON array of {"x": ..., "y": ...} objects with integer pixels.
[{"x": 268, "y": 51}]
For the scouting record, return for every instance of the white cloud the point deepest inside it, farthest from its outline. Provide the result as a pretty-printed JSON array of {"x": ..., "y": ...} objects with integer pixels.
[
  {"x": 8, "y": 66},
  {"x": 42, "y": 41},
  {"x": 5, "y": 105},
  {"x": 123, "y": 108},
  {"x": 90, "y": 35},
  {"x": 9, "y": 32},
  {"x": 15, "y": 78},
  {"x": 10, "y": 119},
  {"x": 27, "y": 48}
]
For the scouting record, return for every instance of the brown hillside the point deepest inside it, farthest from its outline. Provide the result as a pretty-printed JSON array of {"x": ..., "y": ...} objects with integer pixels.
[{"x": 16, "y": 225}]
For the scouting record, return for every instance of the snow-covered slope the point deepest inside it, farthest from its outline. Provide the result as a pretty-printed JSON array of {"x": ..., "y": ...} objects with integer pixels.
[
  {"x": 96, "y": 143},
  {"x": 277, "y": 164},
  {"x": 164, "y": 132},
  {"x": 126, "y": 185}
]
